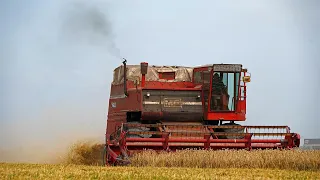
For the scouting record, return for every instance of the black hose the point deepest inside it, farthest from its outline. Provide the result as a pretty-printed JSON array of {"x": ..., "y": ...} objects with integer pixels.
[{"x": 125, "y": 77}]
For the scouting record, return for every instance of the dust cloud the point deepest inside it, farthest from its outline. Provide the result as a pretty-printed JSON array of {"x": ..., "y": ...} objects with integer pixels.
[{"x": 61, "y": 64}]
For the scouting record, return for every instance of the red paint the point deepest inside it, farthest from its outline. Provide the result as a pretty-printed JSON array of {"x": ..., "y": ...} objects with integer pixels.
[
  {"x": 143, "y": 80},
  {"x": 119, "y": 105},
  {"x": 203, "y": 140},
  {"x": 231, "y": 116}
]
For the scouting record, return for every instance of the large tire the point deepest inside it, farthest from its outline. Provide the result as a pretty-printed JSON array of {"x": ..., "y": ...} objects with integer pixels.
[{"x": 105, "y": 156}]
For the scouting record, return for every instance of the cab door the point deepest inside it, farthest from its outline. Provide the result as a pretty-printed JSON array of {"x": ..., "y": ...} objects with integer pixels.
[{"x": 206, "y": 89}]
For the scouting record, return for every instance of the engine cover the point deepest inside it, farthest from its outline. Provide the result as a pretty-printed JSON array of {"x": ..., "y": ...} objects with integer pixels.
[{"x": 172, "y": 105}]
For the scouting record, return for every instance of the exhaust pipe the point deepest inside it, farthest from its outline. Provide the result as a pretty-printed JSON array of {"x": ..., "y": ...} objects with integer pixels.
[
  {"x": 125, "y": 77},
  {"x": 144, "y": 71}
]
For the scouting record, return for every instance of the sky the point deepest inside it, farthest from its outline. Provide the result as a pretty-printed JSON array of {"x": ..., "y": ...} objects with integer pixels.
[{"x": 57, "y": 60}]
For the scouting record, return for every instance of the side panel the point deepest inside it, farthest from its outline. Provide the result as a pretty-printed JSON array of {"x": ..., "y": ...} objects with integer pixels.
[
  {"x": 151, "y": 101},
  {"x": 119, "y": 105},
  {"x": 115, "y": 120},
  {"x": 168, "y": 105}
]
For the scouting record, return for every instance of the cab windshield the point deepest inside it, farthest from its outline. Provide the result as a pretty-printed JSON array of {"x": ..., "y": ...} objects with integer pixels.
[{"x": 224, "y": 91}]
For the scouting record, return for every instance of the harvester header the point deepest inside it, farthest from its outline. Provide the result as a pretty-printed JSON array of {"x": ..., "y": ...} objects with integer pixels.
[{"x": 178, "y": 107}]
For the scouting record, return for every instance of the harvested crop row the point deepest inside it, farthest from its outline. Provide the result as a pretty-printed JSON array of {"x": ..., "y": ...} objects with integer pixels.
[
  {"x": 280, "y": 159},
  {"x": 91, "y": 154}
]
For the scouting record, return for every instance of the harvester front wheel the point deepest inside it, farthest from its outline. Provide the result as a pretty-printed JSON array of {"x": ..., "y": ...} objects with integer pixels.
[{"x": 104, "y": 156}]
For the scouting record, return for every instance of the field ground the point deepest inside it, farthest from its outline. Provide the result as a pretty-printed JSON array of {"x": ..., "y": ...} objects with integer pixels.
[
  {"x": 81, "y": 161},
  {"x": 43, "y": 171}
]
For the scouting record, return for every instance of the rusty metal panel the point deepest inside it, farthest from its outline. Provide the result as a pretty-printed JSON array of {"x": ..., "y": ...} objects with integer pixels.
[
  {"x": 172, "y": 101},
  {"x": 134, "y": 73},
  {"x": 182, "y": 73},
  {"x": 181, "y": 101},
  {"x": 151, "y": 101}
]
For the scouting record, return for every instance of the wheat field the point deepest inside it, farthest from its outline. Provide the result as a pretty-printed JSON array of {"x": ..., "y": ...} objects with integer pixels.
[
  {"x": 84, "y": 162},
  {"x": 273, "y": 159},
  {"x": 38, "y": 171},
  {"x": 91, "y": 154}
]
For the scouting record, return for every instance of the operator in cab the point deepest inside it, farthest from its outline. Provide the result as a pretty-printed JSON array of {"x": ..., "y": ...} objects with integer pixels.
[{"x": 220, "y": 97}]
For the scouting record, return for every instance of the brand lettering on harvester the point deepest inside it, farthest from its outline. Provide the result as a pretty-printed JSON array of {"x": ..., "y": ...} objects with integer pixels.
[{"x": 172, "y": 102}]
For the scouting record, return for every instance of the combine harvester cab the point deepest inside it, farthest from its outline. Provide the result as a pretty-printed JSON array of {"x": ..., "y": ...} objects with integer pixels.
[{"x": 171, "y": 108}]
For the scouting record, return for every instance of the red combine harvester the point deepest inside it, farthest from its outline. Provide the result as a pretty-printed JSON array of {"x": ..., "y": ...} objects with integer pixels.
[{"x": 171, "y": 108}]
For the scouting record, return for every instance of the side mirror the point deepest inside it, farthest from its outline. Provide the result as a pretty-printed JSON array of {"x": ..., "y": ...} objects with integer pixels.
[{"x": 246, "y": 79}]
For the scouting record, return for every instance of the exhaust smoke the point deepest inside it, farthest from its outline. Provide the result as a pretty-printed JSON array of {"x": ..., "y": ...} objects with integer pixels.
[
  {"x": 60, "y": 57},
  {"x": 85, "y": 23}
]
